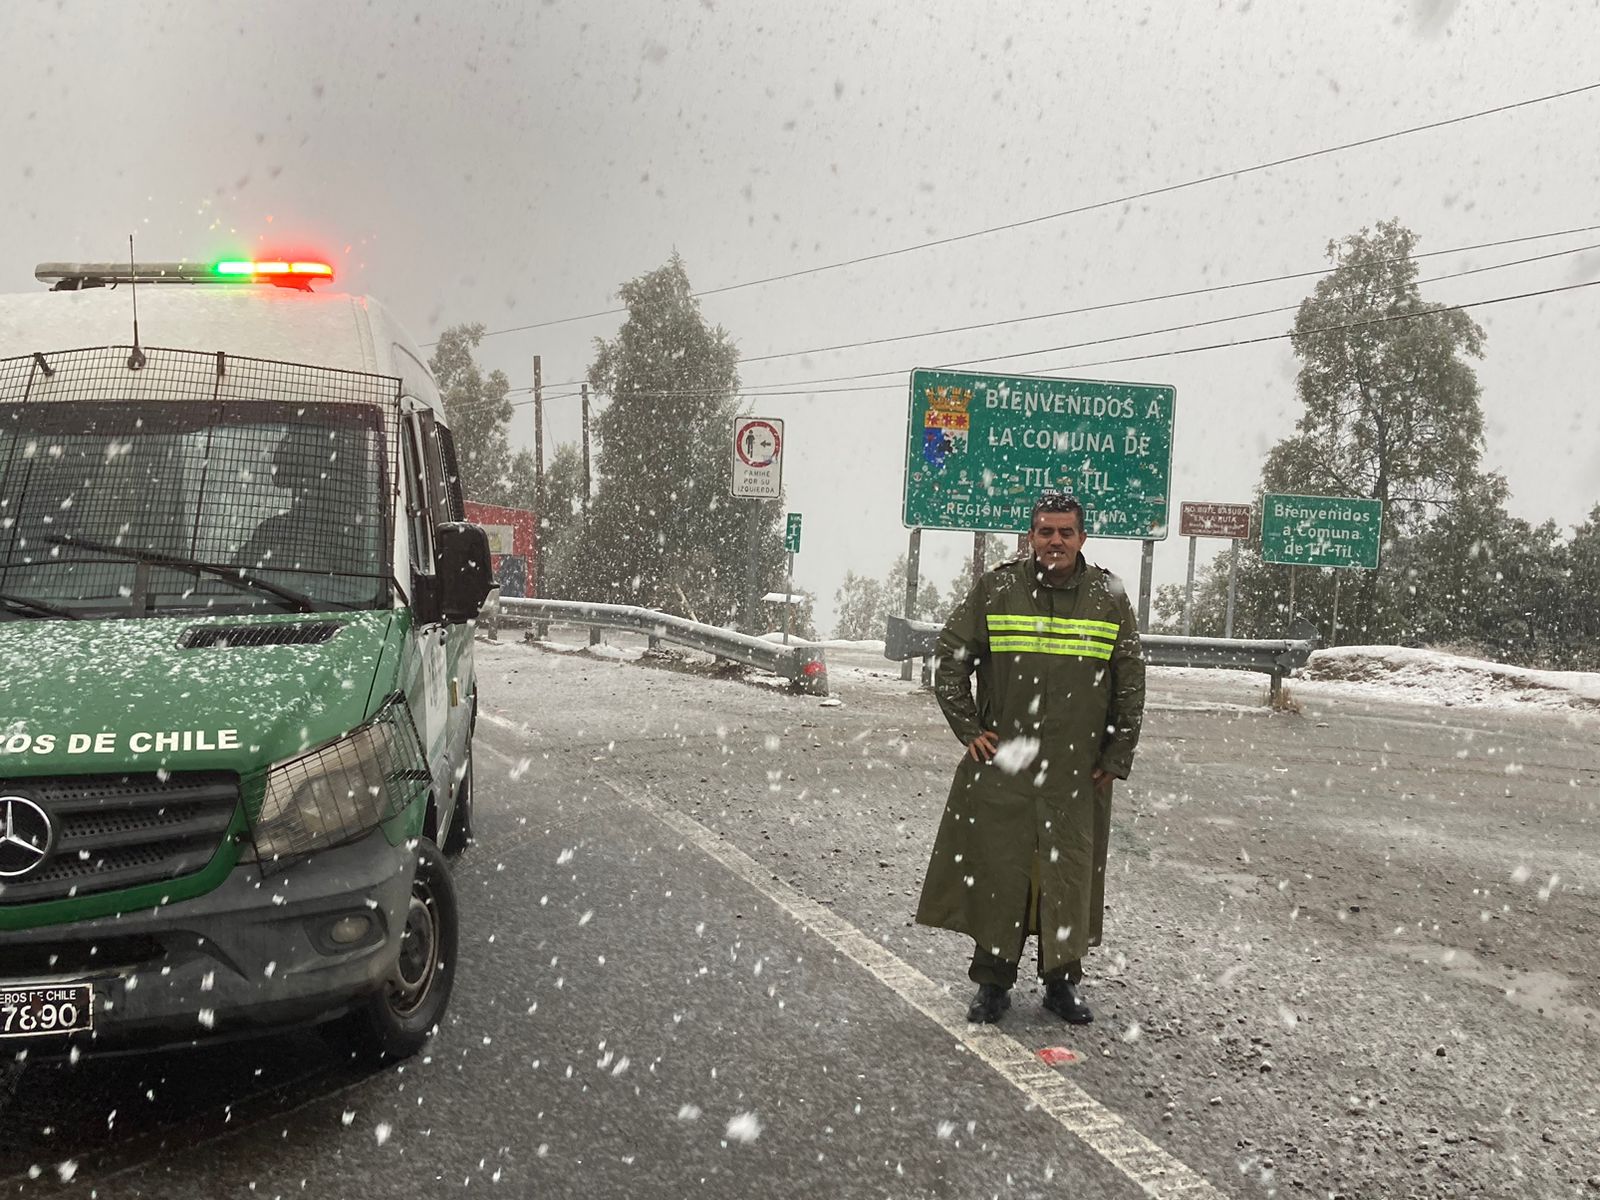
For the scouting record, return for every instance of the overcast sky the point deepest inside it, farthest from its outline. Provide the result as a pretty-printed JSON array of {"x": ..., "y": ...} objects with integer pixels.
[{"x": 513, "y": 163}]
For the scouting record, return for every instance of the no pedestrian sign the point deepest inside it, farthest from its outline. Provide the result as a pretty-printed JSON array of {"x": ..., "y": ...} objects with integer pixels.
[{"x": 758, "y": 458}]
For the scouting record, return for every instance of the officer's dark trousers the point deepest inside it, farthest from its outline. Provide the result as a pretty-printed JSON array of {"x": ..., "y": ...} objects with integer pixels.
[{"x": 989, "y": 967}]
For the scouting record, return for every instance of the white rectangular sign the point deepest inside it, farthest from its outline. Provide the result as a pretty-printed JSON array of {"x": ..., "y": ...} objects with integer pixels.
[{"x": 758, "y": 458}]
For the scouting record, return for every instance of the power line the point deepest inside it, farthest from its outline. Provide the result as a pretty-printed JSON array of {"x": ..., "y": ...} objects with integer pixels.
[
  {"x": 1568, "y": 287},
  {"x": 1270, "y": 337},
  {"x": 756, "y": 391},
  {"x": 1165, "y": 189},
  {"x": 1277, "y": 337},
  {"x": 1124, "y": 337},
  {"x": 1189, "y": 292},
  {"x": 1114, "y": 304},
  {"x": 1158, "y": 191}
]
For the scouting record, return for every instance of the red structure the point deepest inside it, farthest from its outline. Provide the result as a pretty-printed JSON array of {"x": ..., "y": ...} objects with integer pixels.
[{"x": 513, "y": 545}]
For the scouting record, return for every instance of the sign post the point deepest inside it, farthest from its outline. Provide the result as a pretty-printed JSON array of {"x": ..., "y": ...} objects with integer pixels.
[
  {"x": 791, "y": 543},
  {"x": 757, "y": 476},
  {"x": 913, "y": 575},
  {"x": 1197, "y": 520},
  {"x": 1233, "y": 586}
]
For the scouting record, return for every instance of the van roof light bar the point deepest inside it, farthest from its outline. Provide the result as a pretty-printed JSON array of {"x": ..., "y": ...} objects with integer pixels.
[{"x": 280, "y": 272}]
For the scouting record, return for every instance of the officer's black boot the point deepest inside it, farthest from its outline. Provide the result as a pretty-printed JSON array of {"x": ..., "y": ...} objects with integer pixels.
[
  {"x": 989, "y": 1003},
  {"x": 1061, "y": 998}
]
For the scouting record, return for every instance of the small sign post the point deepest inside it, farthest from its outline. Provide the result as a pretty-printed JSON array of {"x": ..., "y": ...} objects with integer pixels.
[
  {"x": 757, "y": 476},
  {"x": 1198, "y": 520},
  {"x": 791, "y": 543}
]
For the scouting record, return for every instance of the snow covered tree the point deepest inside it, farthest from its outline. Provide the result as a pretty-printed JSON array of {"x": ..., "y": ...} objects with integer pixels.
[
  {"x": 664, "y": 531},
  {"x": 561, "y": 524},
  {"x": 478, "y": 412},
  {"x": 861, "y": 607},
  {"x": 1391, "y": 404}
]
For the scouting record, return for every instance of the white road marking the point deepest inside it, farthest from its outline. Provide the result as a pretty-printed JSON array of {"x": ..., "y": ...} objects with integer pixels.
[{"x": 1156, "y": 1172}]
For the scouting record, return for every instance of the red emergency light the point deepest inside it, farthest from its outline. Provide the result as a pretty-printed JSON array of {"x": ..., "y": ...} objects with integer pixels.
[{"x": 246, "y": 268}]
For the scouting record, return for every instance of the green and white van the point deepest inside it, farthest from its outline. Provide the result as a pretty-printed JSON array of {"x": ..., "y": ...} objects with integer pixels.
[{"x": 236, "y": 685}]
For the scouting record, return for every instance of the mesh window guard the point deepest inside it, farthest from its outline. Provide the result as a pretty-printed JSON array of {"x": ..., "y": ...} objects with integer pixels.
[{"x": 134, "y": 492}]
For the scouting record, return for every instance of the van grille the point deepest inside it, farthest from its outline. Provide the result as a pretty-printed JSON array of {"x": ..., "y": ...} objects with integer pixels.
[{"x": 120, "y": 831}]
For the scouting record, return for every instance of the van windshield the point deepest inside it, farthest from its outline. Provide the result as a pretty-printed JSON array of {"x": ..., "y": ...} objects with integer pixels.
[{"x": 108, "y": 508}]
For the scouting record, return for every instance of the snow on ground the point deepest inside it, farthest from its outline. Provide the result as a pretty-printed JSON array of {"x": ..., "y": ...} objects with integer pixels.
[
  {"x": 1434, "y": 677},
  {"x": 1380, "y": 673},
  {"x": 1392, "y": 673}
]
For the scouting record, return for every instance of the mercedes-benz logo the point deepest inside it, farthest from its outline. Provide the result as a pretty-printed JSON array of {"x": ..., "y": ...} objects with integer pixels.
[{"x": 26, "y": 836}]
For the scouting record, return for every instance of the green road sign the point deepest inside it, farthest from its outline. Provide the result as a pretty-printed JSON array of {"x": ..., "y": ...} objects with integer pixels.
[
  {"x": 981, "y": 448},
  {"x": 1321, "y": 531},
  {"x": 791, "y": 534}
]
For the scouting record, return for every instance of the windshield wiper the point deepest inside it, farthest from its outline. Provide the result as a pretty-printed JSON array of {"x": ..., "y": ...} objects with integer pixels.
[
  {"x": 183, "y": 562},
  {"x": 38, "y": 608}
]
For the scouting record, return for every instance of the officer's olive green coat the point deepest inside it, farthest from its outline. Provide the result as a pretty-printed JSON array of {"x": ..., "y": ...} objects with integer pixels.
[{"x": 1061, "y": 665}]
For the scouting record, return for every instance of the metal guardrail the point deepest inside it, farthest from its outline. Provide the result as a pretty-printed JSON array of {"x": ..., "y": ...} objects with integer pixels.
[
  {"x": 801, "y": 663},
  {"x": 1276, "y": 657}
]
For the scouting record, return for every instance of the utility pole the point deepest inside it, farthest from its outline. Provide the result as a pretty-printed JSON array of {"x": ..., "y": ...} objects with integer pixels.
[
  {"x": 977, "y": 555},
  {"x": 587, "y": 480},
  {"x": 538, "y": 476}
]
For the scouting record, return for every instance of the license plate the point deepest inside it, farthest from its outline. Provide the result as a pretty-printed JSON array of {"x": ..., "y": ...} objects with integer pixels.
[{"x": 45, "y": 1009}]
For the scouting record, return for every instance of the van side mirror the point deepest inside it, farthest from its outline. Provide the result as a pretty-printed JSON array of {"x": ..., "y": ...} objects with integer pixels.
[{"x": 465, "y": 574}]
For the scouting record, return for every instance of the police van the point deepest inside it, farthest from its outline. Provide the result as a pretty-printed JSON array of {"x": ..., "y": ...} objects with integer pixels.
[{"x": 236, "y": 683}]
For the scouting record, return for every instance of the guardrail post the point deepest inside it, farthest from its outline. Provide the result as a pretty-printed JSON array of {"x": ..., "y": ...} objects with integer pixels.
[
  {"x": 1277, "y": 688},
  {"x": 594, "y": 635},
  {"x": 927, "y": 670}
]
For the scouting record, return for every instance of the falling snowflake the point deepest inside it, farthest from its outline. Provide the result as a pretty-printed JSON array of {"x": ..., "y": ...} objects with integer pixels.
[
  {"x": 744, "y": 1127},
  {"x": 1017, "y": 754}
]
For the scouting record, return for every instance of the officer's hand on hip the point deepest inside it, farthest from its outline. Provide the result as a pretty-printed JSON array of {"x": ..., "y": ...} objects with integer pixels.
[
  {"x": 982, "y": 747},
  {"x": 1101, "y": 778}
]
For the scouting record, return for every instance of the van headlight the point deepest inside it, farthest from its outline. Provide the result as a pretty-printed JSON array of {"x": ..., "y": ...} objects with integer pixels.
[{"x": 340, "y": 791}]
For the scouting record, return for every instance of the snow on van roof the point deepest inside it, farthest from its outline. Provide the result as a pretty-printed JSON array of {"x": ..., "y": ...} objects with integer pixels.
[{"x": 352, "y": 333}]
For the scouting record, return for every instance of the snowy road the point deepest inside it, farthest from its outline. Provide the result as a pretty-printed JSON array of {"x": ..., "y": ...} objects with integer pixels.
[{"x": 1351, "y": 951}]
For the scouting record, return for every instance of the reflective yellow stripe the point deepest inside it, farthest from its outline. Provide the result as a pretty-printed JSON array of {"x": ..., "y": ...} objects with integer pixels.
[
  {"x": 1027, "y": 623},
  {"x": 1013, "y": 644}
]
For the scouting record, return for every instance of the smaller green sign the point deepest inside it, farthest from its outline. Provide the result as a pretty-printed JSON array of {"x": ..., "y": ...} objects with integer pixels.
[
  {"x": 791, "y": 535},
  {"x": 1321, "y": 531}
]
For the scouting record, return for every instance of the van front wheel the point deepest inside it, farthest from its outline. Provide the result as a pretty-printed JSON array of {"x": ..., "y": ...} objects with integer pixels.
[{"x": 399, "y": 1018}]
